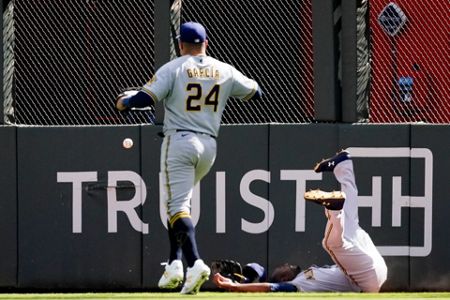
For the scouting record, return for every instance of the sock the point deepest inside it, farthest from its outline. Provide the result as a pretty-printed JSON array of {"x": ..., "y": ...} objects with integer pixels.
[
  {"x": 175, "y": 249},
  {"x": 185, "y": 235}
]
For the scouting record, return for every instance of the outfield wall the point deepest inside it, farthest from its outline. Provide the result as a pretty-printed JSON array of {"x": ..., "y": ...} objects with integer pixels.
[{"x": 80, "y": 212}]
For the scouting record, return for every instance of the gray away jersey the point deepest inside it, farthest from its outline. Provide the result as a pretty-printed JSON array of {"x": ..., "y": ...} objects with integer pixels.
[{"x": 195, "y": 90}]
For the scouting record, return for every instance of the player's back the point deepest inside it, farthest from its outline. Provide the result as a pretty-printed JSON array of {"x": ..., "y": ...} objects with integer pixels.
[
  {"x": 200, "y": 87},
  {"x": 200, "y": 91}
]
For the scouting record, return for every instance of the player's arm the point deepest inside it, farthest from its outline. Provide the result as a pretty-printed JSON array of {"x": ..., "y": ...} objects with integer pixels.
[
  {"x": 258, "y": 287},
  {"x": 229, "y": 285},
  {"x": 155, "y": 89},
  {"x": 245, "y": 88},
  {"x": 258, "y": 94},
  {"x": 283, "y": 287},
  {"x": 140, "y": 99}
]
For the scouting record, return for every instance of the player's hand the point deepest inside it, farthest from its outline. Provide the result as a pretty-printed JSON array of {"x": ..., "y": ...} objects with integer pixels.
[
  {"x": 119, "y": 102},
  {"x": 223, "y": 282},
  {"x": 128, "y": 93}
]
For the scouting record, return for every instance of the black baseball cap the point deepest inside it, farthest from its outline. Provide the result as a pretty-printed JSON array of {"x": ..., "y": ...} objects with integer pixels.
[{"x": 192, "y": 32}]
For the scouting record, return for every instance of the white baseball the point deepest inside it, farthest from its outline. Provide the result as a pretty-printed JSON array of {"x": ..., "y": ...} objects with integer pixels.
[{"x": 127, "y": 143}]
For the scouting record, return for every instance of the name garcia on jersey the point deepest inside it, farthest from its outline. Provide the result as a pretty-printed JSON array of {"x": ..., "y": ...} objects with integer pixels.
[{"x": 210, "y": 72}]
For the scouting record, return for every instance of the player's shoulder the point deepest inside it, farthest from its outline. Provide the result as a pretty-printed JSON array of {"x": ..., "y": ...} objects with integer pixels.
[
  {"x": 176, "y": 62},
  {"x": 209, "y": 60}
]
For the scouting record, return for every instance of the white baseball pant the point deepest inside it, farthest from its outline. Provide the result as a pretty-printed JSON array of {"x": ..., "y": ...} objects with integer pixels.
[
  {"x": 186, "y": 157},
  {"x": 350, "y": 247}
]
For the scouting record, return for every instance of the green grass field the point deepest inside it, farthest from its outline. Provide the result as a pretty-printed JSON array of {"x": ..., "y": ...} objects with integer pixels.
[{"x": 218, "y": 296}]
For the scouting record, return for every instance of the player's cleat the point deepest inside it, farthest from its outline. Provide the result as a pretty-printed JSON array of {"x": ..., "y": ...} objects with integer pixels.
[
  {"x": 330, "y": 163},
  {"x": 195, "y": 277},
  {"x": 173, "y": 275},
  {"x": 330, "y": 200}
]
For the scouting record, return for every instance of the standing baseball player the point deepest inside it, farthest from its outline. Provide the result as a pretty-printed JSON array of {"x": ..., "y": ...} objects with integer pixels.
[
  {"x": 359, "y": 267},
  {"x": 194, "y": 89}
]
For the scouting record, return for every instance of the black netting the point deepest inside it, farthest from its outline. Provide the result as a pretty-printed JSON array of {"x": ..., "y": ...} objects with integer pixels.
[
  {"x": 71, "y": 58},
  {"x": 269, "y": 41}
]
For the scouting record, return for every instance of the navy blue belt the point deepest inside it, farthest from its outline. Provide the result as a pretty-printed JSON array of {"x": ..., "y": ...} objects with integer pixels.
[{"x": 193, "y": 131}]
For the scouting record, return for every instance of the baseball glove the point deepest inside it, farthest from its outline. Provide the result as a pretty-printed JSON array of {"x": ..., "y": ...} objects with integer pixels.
[{"x": 228, "y": 268}]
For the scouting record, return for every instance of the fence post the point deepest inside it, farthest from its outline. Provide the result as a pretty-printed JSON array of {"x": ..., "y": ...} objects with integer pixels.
[
  {"x": 326, "y": 87},
  {"x": 162, "y": 44},
  {"x": 349, "y": 62}
]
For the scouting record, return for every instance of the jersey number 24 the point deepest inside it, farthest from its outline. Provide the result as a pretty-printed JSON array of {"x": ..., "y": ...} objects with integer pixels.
[{"x": 212, "y": 97}]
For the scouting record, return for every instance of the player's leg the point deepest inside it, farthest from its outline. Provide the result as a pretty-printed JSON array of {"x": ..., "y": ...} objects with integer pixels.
[
  {"x": 343, "y": 252},
  {"x": 184, "y": 233},
  {"x": 173, "y": 274},
  {"x": 358, "y": 259},
  {"x": 204, "y": 149},
  {"x": 175, "y": 249},
  {"x": 179, "y": 172},
  {"x": 355, "y": 263},
  {"x": 367, "y": 263},
  {"x": 205, "y": 146},
  {"x": 206, "y": 158},
  {"x": 345, "y": 176},
  {"x": 349, "y": 246}
]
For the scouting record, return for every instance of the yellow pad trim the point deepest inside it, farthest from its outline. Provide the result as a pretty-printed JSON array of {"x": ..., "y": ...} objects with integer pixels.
[{"x": 178, "y": 216}]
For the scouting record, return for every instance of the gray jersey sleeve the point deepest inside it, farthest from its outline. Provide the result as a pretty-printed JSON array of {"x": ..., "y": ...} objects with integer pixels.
[
  {"x": 243, "y": 87},
  {"x": 160, "y": 85}
]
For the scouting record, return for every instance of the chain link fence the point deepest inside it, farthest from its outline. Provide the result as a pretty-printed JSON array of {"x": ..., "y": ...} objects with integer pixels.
[
  {"x": 410, "y": 61},
  {"x": 269, "y": 41},
  {"x": 67, "y": 60}
]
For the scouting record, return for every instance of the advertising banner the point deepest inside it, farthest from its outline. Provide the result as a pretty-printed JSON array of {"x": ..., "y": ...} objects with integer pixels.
[{"x": 81, "y": 206}]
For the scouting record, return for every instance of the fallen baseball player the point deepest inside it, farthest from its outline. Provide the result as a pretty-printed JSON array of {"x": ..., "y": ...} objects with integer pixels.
[{"x": 359, "y": 267}]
